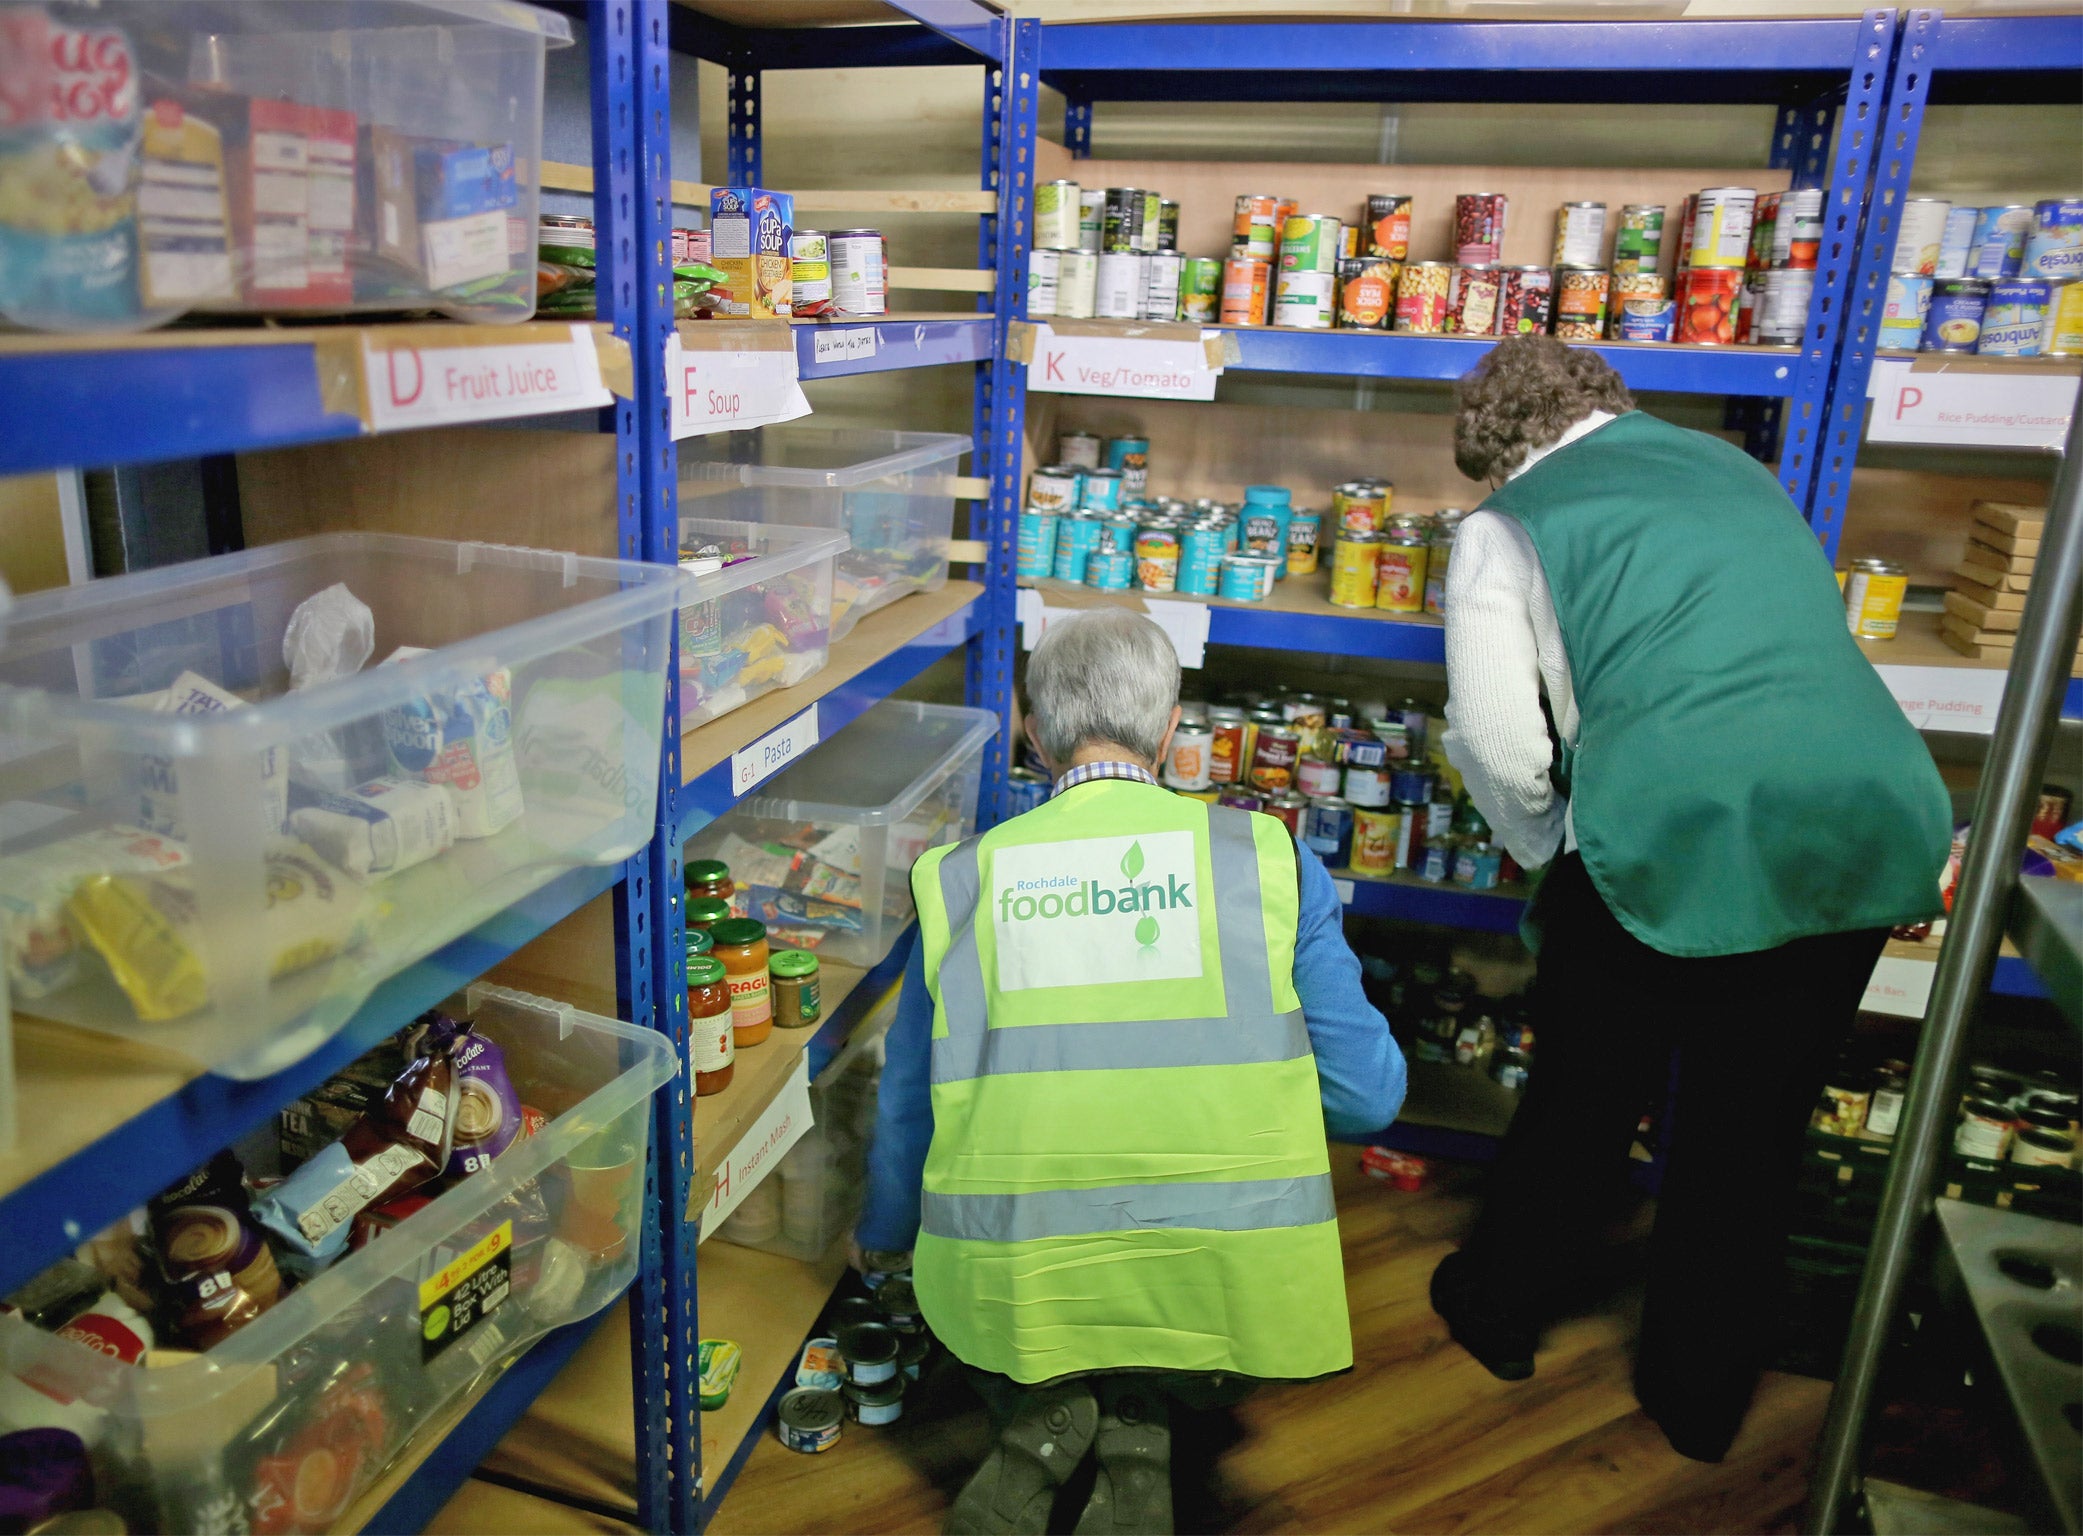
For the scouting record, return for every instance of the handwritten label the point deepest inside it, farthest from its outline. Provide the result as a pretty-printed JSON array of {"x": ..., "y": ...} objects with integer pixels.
[
  {"x": 730, "y": 391},
  {"x": 1973, "y": 409},
  {"x": 842, "y": 346},
  {"x": 1141, "y": 367},
  {"x": 440, "y": 386},
  {"x": 773, "y": 751},
  {"x": 1947, "y": 698},
  {"x": 760, "y": 1150}
]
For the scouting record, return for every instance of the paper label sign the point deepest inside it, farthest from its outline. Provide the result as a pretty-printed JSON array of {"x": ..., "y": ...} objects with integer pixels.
[
  {"x": 465, "y": 1291},
  {"x": 846, "y": 346},
  {"x": 773, "y": 751},
  {"x": 1947, "y": 698},
  {"x": 760, "y": 1149},
  {"x": 728, "y": 391},
  {"x": 441, "y": 386},
  {"x": 1899, "y": 986},
  {"x": 1184, "y": 621},
  {"x": 1969, "y": 407},
  {"x": 1141, "y": 367}
]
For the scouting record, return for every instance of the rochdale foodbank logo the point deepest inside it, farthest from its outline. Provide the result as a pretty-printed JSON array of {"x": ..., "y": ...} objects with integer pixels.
[{"x": 1098, "y": 910}]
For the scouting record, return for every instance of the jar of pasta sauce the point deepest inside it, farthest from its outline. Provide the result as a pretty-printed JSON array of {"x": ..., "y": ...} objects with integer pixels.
[
  {"x": 711, "y": 1038},
  {"x": 709, "y": 877},
  {"x": 704, "y": 913},
  {"x": 741, "y": 947}
]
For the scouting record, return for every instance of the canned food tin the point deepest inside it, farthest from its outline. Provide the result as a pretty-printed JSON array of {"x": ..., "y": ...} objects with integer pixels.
[
  {"x": 1131, "y": 456},
  {"x": 1288, "y": 808},
  {"x": 1355, "y": 569},
  {"x": 1056, "y": 209},
  {"x": 1841, "y": 1111},
  {"x": 1421, "y": 298},
  {"x": 1374, "y": 840},
  {"x": 2061, "y": 334},
  {"x": 1110, "y": 570},
  {"x": 1241, "y": 798},
  {"x": 1200, "y": 288},
  {"x": 1077, "y": 285},
  {"x": 1037, "y": 544},
  {"x": 1078, "y": 450},
  {"x": 810, "y": 272},
  {"x": 1099, "y": 490},
  {"x": 1985, "y": 1130},
  {"x": 1189, "y": 763},
  {"x": 1956, "y": 242},
  {"x": 1884, "y": 1113},
  {"x": 1400, "y": 584},
  {"x": 1412, "y": 781},
  {"x": 1119, "y": 286},
  {"x": 1479, "y": 227},
  {"x": 1647, "y": 320},
  {"x": 1388, "y": 226},
  {"x": 1721, "y": 227},
  {"x": 1580, "y": 234},
  {"x": 1092, "y": 218},
  {"x": 1167, "y": 224},
  {"x": 1077, "y": 536},
  {"x": 1580, "y": 303},
  {"x": 1262, "y": 531},
  {"x": 1920, "y": 234},
  {"x": 1304, "y": 300},
  {"x": 1229, "y": 753},
  {"x": 1873, "y": 598},
  {"x": 1638, "y": 240},
  {"x": 1473, "y": 295},
  {"x": 1201, "y": 549},
  {"x": 2044, "y": 1149},
  {"x": 1523, "y": 308},
  {"x": 1797, "y": 237},
  {"x": 2054, "y": 249},
  {"x": 2015, "y": 318},
  {"x": 1327, "y": 827},
  {"x": 1309, "y": 243},
  {"x": 1316, "y": 776},
  {"x": 1117, "y": 535},
  {"x": 860, "y": 275},
  {"x": 1044, "y": 276},
  {"x": 1157, "y": 560},
  {"x": 807, "y": 1420},
  {"x": 1954, "y": 323},
  {"x": 870, "y": 1351},
  {"x": 1121, "y": 221},
  {"x": 1150, "y": 231},
  {"x": 1240, "y": 579},
  {"x": 1478, "y": 866},
  {"x": 1244, "y": 283},
  {"x": 1783, "y": 316},
  {"x": 1367, "y": 786},
  {"x": 1630, "y": 285},
  {"x": 1902, "y": 316},
  {"x": 1998, "y": 249},
  {"x": 1707, "y": 311},
  {"x": 1304, "y": 532},
  {"x": 1054, "y": 489},
  {"x": 1255, "y": 232},
  {"x": 1358, "y": 506},
  {"x": 1161, "y": 273},
  {"x": 876, "y": 1405},
  {"x": 1366, "y": 294}
]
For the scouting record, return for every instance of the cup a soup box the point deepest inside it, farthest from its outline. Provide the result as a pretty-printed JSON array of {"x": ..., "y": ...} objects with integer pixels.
[{"x": 748, "y": 242}]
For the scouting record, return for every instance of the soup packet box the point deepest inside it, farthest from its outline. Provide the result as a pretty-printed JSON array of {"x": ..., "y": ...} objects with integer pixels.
[{"x": 749, "y": 230}]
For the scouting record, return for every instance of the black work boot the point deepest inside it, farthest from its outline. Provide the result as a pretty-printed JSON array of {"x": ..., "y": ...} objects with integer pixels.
[
  {"x": 1133, "y": 1496},
  {"x": 1504, "y": 1350},
  {"x": 1014, "y": 1490}
]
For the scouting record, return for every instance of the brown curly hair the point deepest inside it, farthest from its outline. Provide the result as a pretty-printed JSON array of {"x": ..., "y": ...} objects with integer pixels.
[{"x": 1525, "y": 393}]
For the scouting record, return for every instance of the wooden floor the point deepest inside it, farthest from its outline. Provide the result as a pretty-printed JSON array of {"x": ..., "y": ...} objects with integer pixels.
[{"x": 1418, "y": 1438}]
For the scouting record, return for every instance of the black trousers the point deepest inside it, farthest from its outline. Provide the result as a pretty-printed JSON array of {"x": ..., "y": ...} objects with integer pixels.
[{"x": 1754, "y": 1035}]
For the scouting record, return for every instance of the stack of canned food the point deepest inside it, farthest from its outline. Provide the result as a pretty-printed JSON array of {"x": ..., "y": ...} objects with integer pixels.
[
  {"x": 2003, "y": 1116},
  {"x": 1111, "y": 254},
  {"x": 1440, "y": 1016},
  {"x": 1999, "y": 281}
]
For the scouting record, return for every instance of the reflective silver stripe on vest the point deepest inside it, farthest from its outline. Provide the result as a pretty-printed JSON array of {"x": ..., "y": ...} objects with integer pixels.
[
  {"x": 1250, "y": 1034},
  {"x": 1244, "y": 1206}
]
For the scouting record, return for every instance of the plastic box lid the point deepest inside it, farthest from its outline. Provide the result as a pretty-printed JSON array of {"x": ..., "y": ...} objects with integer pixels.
[
  {"x": 878, "y": 770},
  {"x": 820, "y": 458}
]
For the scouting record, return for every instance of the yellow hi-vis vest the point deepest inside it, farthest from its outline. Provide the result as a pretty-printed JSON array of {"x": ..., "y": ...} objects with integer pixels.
[{"x": 1128, "y": 1166}]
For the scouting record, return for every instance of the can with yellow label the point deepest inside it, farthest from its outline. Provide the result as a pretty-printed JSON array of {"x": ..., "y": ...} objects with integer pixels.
[
  {"x": 1873, "y": 591},
  {"x": 1355, "y": 562}
]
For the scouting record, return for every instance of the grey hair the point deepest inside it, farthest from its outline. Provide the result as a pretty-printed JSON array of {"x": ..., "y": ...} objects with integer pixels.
[{"x": 1106, "y": 675}]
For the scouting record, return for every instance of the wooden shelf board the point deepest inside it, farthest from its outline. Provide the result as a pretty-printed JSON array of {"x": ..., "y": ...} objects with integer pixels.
[
  {"x": 895, "y": 317},
  {"x": 1298, "y": 594},
  {"x": 1450, "y": 1097},
  {"x": 878, "y": 635},
  {"x": 76, "y": 1086},
  {"x": 480, "y": 1508}
]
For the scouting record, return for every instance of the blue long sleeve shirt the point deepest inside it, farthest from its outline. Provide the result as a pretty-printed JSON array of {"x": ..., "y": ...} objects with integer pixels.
[{"x": 1358, "y": 1063}]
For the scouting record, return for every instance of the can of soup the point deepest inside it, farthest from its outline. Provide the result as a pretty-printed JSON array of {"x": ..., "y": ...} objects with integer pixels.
[{"x": 1400, "y": 579}]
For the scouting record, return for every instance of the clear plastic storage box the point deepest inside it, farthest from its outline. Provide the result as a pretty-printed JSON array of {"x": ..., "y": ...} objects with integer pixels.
[
  {"x": 269, "y": 156},
  {"x": 761, "y": 621},
  {"x": 823, "y": 854},
  {"x": 199, "y": 855},
  {"x": 892, "y": 493},
  {"x": 288, "y": 1420}
]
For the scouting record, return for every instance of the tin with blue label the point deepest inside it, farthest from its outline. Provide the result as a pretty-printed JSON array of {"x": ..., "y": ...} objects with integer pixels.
[
  {"x": 1327, "y": 828},
  {"x": 1647, "y": 319},
  {"x": 1201, "y": 549},
  {"x": 2014, "y": 318},
  {"x": 1117, "y": 535},
  {"x": 1241, "y": 576},
  {"x": 1956, "y": 241},
  {"x": 1037, "y": 544},
  {"x": 1999, "y": 241},
  {"x": 1110, "y": 570},
  {"x": 2054, "y": 249},
  {"x": 1099, "y": 490},
  {"x": 1262, "y": 530},
  {"x": 1077, "y": 536},
  {"x": 1412, "y": 781},
  {"x": 1130, "y": 457},
  {"x": 1908, "y": 302},
  {"x": 1954, "y": 323}
]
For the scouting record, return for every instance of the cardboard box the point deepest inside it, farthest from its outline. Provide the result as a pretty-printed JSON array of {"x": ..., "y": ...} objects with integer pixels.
[
  {"x": 2014, "y": 545},
  {"x": 183, "y": 219},
  {"x": 1982, "y": 616},
  {"x": 1991, "y": 597},
  {"x": 2009, "y": 517},
  {"x": 290, "y": 186},
  {"x": 749, "y": 230},
  {"x": 441, "y": 210}
]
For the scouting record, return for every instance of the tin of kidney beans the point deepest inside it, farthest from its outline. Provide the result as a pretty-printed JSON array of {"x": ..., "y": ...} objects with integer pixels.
[
  {"x": 1523, "y": 308},
  {"x": 1479, "y": 227},
  {"x": 1472, "y": 300}
]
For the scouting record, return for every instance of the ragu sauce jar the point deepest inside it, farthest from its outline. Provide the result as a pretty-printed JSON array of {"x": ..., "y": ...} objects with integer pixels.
[
  {"x": 741, "y": 946},
  {"x": 712, "y": 1039}
]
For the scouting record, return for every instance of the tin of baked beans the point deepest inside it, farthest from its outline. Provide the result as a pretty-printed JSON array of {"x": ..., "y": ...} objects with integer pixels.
[
  {"x": 1121, "y": 221},
  {"x": 1873, "y": 592},
  {"x": 2054, "y": 249},
  {"x": 860, "y": 273},
  {"x": 1036, "y": 550},
  {"x": 1956, "y": 242},
  {"x": 1580, "y": 234},
  {"x": 1304, "y": 532},
  {"x": 1374, "y": 840},
  {"x": 1157, "y": 559},
  {"x": 1358, "y": 506},
  {"x": 1985, "y": 1130},
  {"x": 810, "y": 272},
  {"x": 1099, "y": 490},
  {"x": 1304, "y": 300},
  {"x": 1421, "y": 298},
  {"x": 1255, "y": 231},
  {"x": 1120, "y": 286},
  {"x": 1265, "y": 569},
  {"x": 1201, "y": 549},
  {"x": 1244, "y": 284},
  {"x": 1387, "y": 231},
  {"x": 1077, "y": 284},
  {"x": 1400, "y": 582},
  {"x": 1920, "y": 231},
  {"x": 1355, "y": 568},
  {"x": 1092, "y": 218},
  {"x": 1117, "y": 535},
  {"x": 1077, "y": 536},
  {"x": 1044, "y": 276},
  {"x": 1999, "y": 241},
  {"x": 1707, "y": 313},
  {"x": 1309, "y": 243},
  {"x": 1479, "y": 227},
  {"x": 1054, "y": 489},
  {"x": 1782, "y": 314},
  {"x": 807, "y": 1420},
  {"x": 1200, "y": 288},
  {"x": 1954, "y": 323},
  {"x": 1638, "y": 238},
  {"x": 1161, "y": 273},
  {"x": 1721, "y": 227},
  {"x": 2061, "y": 332},
  {"x": 1473, "y": 295},
  {"x": 1366, "y": 294},
  {"x": 1580, "y": 303},
  {"x": 1110, "y": 570},
  {"x": 2015, "y": 318},
  {"x": 1078, "y": 450},
  {"x": 1902, "y": 316},
  {"x": 1240, "y": 579},
  {"x": 1522, "y": 308},
  {"x": 1130, "y": 453},
  {"x": 1647, "y": 320},
  {"x": 1056, "y": 215}
]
